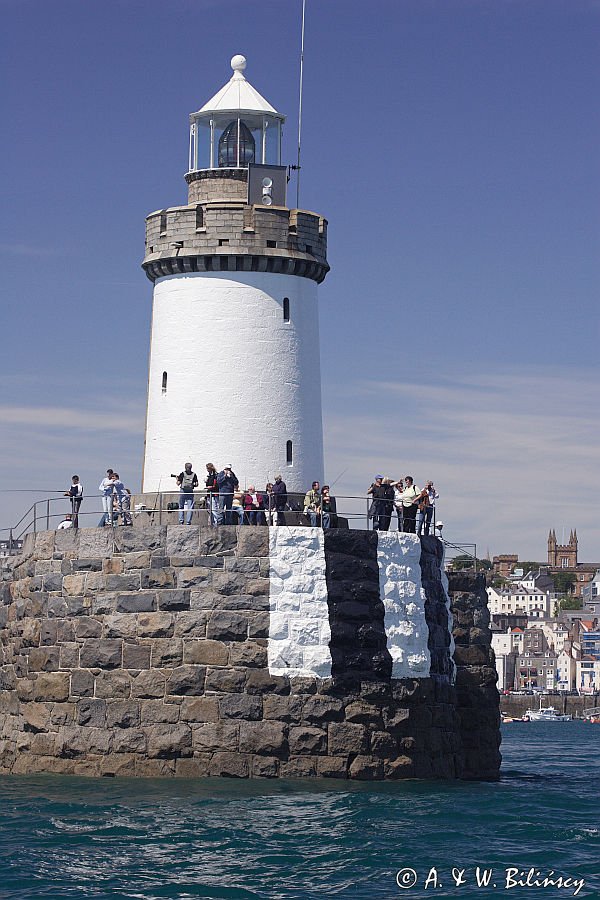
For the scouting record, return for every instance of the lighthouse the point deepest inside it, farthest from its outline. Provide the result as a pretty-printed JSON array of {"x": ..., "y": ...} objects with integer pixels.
[{"x": 234, "y": 371}]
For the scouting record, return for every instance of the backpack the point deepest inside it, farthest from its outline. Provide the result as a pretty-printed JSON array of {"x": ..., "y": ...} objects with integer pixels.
[{"x": 187, "y": 482}]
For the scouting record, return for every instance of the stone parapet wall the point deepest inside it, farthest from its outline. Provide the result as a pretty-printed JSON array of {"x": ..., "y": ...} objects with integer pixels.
[
  {"x": 146, "y": 652},
  {"x": 229, "y": 235}
]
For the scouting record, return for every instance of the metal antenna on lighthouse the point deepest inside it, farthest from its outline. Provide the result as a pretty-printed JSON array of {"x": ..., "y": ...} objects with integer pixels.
[{"x": 300, "y": 107}]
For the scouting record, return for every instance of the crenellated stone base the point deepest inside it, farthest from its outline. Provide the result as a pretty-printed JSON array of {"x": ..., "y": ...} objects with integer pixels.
[{"x": 149, "y": 652}]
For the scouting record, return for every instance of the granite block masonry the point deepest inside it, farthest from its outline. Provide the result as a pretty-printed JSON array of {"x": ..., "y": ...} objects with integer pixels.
[{"x": 244, "y": 652}]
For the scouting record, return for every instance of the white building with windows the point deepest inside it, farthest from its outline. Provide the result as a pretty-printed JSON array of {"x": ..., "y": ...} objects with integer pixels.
[
  {"x": 566, "y": 671},
  {"x": 519, "y": 600},
  {"x": 588, "y": 675},
  {"x": 234, "y": 372}
]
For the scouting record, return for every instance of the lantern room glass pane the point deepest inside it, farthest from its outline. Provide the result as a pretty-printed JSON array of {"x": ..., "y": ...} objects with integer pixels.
[
  {"x": 272, "y": 143},
  {"x": 203, "y": 145}
]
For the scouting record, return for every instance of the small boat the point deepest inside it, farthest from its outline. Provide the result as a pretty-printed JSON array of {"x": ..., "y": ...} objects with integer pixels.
[
  {"x": 508, "y": 720},
  {"x": 546, "y": 714}
]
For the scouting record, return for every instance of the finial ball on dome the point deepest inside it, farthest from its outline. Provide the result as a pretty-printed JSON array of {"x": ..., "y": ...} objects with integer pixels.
[{"x": 238, "y": 63}]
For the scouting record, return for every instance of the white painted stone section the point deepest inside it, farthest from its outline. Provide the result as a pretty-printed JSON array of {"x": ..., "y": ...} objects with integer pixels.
[
  {"x": 445, "y": 585},
  {"x": 398, "y": 558},
  {"x": 241, "y": 382},
  {"x": 299, "y": 632}
]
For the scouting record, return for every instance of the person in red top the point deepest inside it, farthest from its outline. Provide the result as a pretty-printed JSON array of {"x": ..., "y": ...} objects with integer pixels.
[{"x": 254, "y": 504}]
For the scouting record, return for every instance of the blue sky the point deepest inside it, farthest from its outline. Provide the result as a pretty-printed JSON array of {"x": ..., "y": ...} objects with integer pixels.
[{"x": 453, "y": 146}]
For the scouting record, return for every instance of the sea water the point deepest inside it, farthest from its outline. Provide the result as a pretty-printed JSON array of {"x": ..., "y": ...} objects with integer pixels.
[{"x": 534, "y": 834}]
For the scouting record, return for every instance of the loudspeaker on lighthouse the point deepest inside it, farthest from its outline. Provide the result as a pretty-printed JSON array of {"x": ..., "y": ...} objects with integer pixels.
[{"x": 234, "y": 372}]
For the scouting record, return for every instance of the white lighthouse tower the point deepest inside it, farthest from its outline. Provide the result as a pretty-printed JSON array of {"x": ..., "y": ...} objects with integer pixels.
[{"x": 234, "y": 373}]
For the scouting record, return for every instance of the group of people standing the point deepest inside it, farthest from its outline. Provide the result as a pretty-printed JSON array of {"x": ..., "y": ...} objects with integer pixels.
[
  {"x": 414, "y": 507},
  {"x": 320, "y": 506},
  {"x": 116, "y": 501},
  {"x": 227, "y": 503}
]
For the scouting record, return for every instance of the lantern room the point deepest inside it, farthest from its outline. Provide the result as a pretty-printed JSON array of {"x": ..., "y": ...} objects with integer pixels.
[{"x": 236, "y": 127}]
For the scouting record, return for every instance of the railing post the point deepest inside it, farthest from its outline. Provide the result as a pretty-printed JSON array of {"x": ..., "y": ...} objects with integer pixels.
[
  {"x": 48, "y": 514},
  {"x": 160, "y": 509},
  {"x": 35, "y": 517}
]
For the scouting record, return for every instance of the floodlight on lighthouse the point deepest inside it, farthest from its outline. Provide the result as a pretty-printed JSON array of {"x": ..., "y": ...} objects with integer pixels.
[{"x": 267, "y": 191}]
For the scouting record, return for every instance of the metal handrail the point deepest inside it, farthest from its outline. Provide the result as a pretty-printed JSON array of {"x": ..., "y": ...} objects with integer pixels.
[{"x": 41, "y": 515}]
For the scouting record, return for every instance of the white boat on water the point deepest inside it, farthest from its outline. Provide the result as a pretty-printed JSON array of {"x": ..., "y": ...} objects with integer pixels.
[{"x": 546, "y": 714}]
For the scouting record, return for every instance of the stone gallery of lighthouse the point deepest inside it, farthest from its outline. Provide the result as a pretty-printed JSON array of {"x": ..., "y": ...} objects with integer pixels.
[{"x": 234, "y": 373}]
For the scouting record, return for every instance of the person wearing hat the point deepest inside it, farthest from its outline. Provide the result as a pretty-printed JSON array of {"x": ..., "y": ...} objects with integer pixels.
[
  {"x": 387, "y": 504},
  {"x": 227, "y": 482},
  {"x": 376, "y": 509}
]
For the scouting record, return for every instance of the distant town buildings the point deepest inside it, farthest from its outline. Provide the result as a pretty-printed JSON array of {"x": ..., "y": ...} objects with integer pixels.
[
  {"x": 562, "y": 558},
  {"x": 538, "y": 646}
]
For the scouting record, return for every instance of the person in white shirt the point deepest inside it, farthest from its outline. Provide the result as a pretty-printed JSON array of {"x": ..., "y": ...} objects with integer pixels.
[
  {"x": 106, "y": 490},
  {"x": 67, "y": 522},
  {"x": 409, "y": 504}
]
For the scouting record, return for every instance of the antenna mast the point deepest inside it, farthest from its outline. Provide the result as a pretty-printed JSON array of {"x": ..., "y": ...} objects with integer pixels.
[{"x": 300, "y": 107}]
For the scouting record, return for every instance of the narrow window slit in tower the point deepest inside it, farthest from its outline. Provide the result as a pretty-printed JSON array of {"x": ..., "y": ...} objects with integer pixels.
[
  {"x": 164, "y": 383},
  {"x": 309, "y": 248},
  {"x": 286, "y": 309},
  {"x": 163, "y": 223},
  {"x": 223, "y": 242},
  {"x": 271, "y": 244},
  {"x": 199, "y": 217},
  {"x": 289, "y": 454}
]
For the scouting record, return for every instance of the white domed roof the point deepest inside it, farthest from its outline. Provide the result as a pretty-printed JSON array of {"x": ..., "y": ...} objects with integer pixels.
[{"x": 238, "y": 94}]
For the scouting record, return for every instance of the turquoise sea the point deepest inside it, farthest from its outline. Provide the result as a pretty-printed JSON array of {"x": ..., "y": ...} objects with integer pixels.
[{"x": 79, "y": 838}]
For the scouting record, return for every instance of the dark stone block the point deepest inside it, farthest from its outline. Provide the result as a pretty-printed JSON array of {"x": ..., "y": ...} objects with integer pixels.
[
  {"x": 85, "y": 565},
  {"x": 216, "y": 541},
  {"x": 122, "y": 714},
  {"x": 305, "y": 740},
  {"x": 252, "y": 541},
  {"x": 227, "y": 626},
  {"x": 92, "y": 712},
  {"x": 210, "y": 562},
  {"x": 225, "y": 680},
  {"x": 259, "y": 681},
  {"x": 157, "y": 578},
  {"x": 357, "y": 544},
  {"x": 123, "y": 582},
  {"x": 76, "y": 606},
  {"x": 186, "y": 680},
  {"x": 136, "y": 656},
  {"x": 53, "y": 582},
  {"x": 82, "y": 683},
  {"x": 135, "y": 603},
  {"x": 101, "y": 654},
  {"x": 178, "y": 599},
  {"x": 229, "y": 765},
  {"x": 240, "y": 706}
]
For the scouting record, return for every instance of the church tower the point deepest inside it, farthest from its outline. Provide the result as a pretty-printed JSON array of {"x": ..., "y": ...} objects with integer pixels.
[
  {"x": 562, "y": 555},
  {"x": 234, "y": 373}
]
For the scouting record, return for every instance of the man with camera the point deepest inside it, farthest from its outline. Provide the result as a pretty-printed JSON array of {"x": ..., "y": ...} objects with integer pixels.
[{"x": 186, "y": 481}]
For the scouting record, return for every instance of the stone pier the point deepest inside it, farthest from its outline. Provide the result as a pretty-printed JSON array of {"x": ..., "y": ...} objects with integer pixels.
[{"x": 247, "y": 652}]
